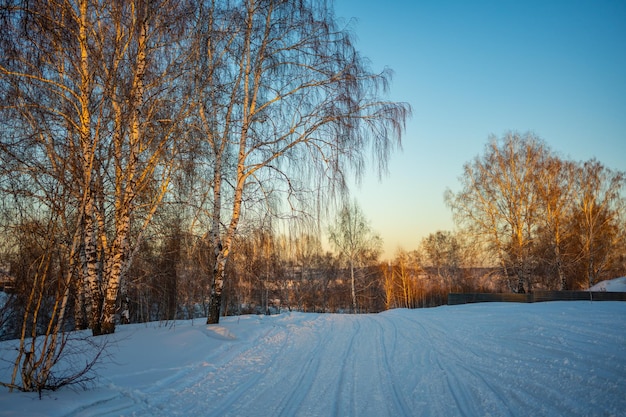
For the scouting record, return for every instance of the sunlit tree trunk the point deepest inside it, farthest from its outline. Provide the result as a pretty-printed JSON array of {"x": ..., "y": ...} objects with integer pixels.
[
  {"x": 388, "y": 285},
  {"x": 126, "y": 170}
]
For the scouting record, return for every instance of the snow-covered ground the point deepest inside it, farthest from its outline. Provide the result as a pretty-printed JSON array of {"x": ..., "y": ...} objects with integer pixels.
[
  {"x": 612, "y": 285},
  {"x": 492, "y": 359}
]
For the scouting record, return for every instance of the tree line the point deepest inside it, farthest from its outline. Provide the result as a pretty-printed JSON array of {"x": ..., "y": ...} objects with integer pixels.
[{"x": 546, "y": 221}]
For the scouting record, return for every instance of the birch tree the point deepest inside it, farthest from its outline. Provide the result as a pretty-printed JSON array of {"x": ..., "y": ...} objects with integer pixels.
[
  {"x": 353, "y": 238},
  {"x": 499, "y": 201},
  {"x": 596, "y": 217},
  {"x": 555, "y": 185},
  {"x": 287, "y": 109},
  {"x": 92, "y": 96},
  {"x": 46, "y": 151},
  {"x": 147, "y": 95},
  {"x": 442, "y": 252},
  {"x": 404, "y": 278}
]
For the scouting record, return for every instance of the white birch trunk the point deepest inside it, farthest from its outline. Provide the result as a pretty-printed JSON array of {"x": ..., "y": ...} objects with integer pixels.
[{"x": 126, "y": 186}]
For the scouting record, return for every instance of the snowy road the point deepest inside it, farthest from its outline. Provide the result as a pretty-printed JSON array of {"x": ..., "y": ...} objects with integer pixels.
[{"x": 496, "y": 359}]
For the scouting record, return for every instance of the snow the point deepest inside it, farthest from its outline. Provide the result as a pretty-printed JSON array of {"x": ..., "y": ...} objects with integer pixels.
[
  {"x": 612, "y": 285},
  {"x": 491, "y": 359}
]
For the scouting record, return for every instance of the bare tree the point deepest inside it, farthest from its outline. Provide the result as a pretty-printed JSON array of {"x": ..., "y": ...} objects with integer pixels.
[
  {"x": 306, "y": 281},
  {"x": 42, "y": 178},
  {"x": 442, "y": 252},
  {"x": 541, "y": 215},
  {"x": 353, "y": 238},
  {"x": 38, "y": 260},
  {"x": 555, "y": 185},
  {"x": 499, "y": 201},
  {"x": 403, "y": 284},
  {"x": 286, "y": 107},
  {"x": 147, "y": 98},
  {"x": 596, "y": 217},
  {"x": 94, "y": 85}
]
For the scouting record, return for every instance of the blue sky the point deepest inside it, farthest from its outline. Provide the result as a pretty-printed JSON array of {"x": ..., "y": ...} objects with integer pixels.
[{"x": 474, "y": 68}]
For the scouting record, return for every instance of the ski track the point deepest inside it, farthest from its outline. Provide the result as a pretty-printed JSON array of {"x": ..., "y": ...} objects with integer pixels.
[
  {"x": 237, "y": 378},
  {"x": 304, "y": 380},
  {"x": 398, "y": 363},
  {"x": 178, "y": 393},
  {"x": 345, "y": 387},
  {"x": 500, "y": 384},
  {"x": 386, "y": 370}
]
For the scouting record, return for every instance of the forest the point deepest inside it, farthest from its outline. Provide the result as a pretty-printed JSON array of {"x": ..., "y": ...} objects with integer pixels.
[{"x": 177, "y": 159}]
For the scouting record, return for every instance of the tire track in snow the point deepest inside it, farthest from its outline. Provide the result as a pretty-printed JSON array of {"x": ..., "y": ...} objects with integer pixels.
[
  {"x": 287, "y": 380},
  {"x": 478, "y": 371},
  {"x": 387, "y": 374},
  {"x": 471, "y": 375},
  {"x": 192, "y": 391},
  {"x": 274, "y": 338},
  {"x": 458, "y": 392},
  {"x": 456, "y": 384},
  {"x": 476, "y": 368},
  {"x": 193, "y": 380},
  {"x": 469, "y": 364},
  {"x": 348, "y": 355},
  {"x": 104, "y": 407},
  {"x": 165, "y": 393},
  {"x": 305, "y": 379},
  {"x": 444, "y": 368},
  {"x": 461, "y": 396}
]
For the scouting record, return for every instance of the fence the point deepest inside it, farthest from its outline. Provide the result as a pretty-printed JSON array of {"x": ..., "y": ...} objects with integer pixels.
[{"x": 534, "y": 297}]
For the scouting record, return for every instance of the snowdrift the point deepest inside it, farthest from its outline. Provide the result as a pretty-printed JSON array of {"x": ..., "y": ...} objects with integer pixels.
[{"x": 612, "y": 285}]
